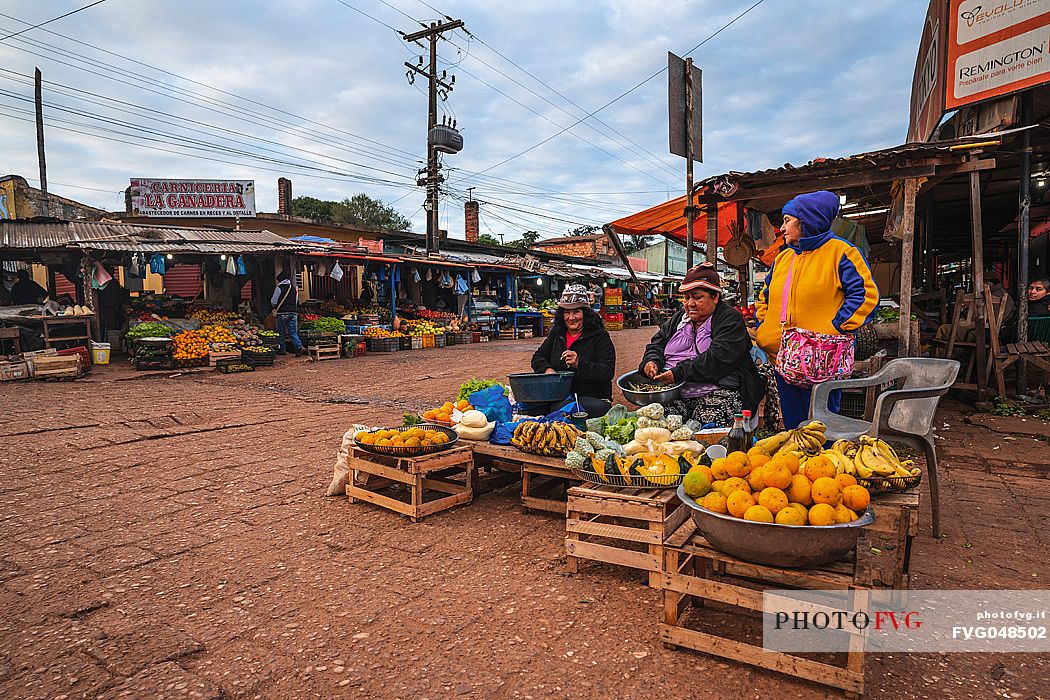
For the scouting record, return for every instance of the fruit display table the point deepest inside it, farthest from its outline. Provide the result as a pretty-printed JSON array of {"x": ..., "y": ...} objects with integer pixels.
[
  {"x": 696, "y": 572},
  {"x": 627, "y": 527},
  {"x": 425, "y": 475}
]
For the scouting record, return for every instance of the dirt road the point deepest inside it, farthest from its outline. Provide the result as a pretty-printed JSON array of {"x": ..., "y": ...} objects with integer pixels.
[{"x": 168, "y": 537}]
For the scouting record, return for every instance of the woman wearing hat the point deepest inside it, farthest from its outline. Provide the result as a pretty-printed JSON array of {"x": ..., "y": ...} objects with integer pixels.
[
  {"x": 819, "y": 282},
  {"x": 578, "y": 342},
  {"x": 706, "y": 346}
]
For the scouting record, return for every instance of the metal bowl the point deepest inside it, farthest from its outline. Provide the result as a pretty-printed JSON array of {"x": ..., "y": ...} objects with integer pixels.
[
  {"x": 531, "y": 387},
  {"x": 789, "y": 546},
  {"x": 641, "y": 398}
]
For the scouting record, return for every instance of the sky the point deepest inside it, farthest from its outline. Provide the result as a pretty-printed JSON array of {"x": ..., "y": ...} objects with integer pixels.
[{"x": 316, "y": 91}]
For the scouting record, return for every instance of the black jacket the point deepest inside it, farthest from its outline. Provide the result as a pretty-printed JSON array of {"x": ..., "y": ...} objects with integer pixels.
[
  {"x": 727, "y": 362},
  {"x": 596, "y": 365}
]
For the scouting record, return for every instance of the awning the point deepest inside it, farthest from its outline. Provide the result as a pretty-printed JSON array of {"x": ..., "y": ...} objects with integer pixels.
[{"x": 668, "y": 219}]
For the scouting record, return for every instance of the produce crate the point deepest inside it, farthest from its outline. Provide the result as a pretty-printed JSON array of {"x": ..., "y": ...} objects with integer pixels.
[
  {"x": 427, "y": 480},
  {"x": 217, "y": 356},
  {"x": 524, "y": 333},
  {"x": 258, "y": 359},
  {"x": 482, "y": 337},
  {"x": 192, "y": 362},
  {"x": 85, "y": 355},
  {"x": 234, "y": 366},
  {"x": 464, "y": 338},
  {"x": 311, "y": 338},
  {"x": 614, "y": 326},
  {"x": 352, "y": 327},
  {"x": 693, "y": 571},
  {"x": 323, "y": 352},
  {"x": 627, "y": 527},
  {"x": 507, "y": 334},
  {"x": 613, "y": 318},
  {"x": 384, "y": 344},
  {"x": 353, "y": 345},
  {"x": 156, "y": 363},
  {"x": 450, "y": 338},
  {"x": 415, "y": 342},
  {"x": 12, "y": 371},
  {"x": 368, "y": 319},
  {"x": 440, "y": 340},
  {"x": 56, "y": 366},
  {"x": 428, "y": 340},
  {"x": 404, "y": 343}
]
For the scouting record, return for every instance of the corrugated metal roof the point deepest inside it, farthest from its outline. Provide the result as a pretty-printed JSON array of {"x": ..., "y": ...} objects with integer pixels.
[{"x": 97, "y": 235}]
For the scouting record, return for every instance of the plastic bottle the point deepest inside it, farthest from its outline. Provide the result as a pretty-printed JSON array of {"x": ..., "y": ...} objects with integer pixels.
[
  {"x": 737, "y": 438},
  {"x": 749, "y": 434}
]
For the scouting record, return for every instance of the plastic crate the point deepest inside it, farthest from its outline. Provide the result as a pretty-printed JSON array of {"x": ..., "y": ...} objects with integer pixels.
[
  {"x": 85, "y": 355},
  {"x": 404, "y": 343},
  {"x": 428, "y": 341},
  {"x": 440, "y": 340},
  {"x": 384, "y": 344},
  {"x": 415, "y": 342},
  {"x": 613, "y": 318},
  {"x": 614, "y": 326},
  {"x": 464, "y": 338},
  {"x": 352, "y": 327},
  {"x": 259, "y": 359}
]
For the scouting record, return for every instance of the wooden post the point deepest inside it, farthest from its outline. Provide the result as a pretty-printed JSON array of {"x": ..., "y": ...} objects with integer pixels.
[
  {"x": 907, "y": 267},
  {"x": 712, "y": 231},
  {"x": 978, "y": 281},
  {"x": 39, "y": 104}
]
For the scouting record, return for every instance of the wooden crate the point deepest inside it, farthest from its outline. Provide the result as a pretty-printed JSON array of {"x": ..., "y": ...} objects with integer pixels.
[
  {"x": 323, "y": 352},
  {"x": 626, "y": 527},
  {"x": 424, "y": 476},
  {"x": 217, "y": 356},
  {"x": 884, "y": 549},
  {"x": 695, "y": 572},
  {"x": 539, "y": 475},
  {"x": 56, "y": 366}
]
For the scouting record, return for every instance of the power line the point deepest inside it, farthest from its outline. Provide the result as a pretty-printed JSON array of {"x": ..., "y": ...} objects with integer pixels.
[
  {"x": 622, "y": 95},
  {"x": 53, "y": 19}
]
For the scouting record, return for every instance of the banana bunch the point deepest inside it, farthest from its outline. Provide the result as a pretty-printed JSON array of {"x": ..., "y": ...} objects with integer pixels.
[
  {"x": 876, "y": 458},
  {"x": 807, "y": 440},
  {"x": 550, "y": 439}
]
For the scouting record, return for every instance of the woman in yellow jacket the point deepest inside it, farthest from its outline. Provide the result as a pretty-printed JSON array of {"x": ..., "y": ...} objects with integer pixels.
[{"x": 831, "y": 289}]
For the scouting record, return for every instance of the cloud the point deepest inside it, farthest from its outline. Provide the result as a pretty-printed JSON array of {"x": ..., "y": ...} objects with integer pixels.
[{"x": 787, "y": 83}]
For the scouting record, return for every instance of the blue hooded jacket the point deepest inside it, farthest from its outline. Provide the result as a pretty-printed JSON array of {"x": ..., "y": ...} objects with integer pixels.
[{"x": 815, "y": 211}]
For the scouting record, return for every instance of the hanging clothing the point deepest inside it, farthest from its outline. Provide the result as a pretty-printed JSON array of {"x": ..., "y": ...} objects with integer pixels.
[
  {"x": 461, "y": 285},
  {"x": 242, "y": 267},
  {"x": 157, "y": 264},
  {"x": 850, "y": 230}
]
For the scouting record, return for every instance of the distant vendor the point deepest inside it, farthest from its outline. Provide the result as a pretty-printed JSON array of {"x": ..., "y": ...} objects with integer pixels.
[
  {"x": 706, "y": 346},
  {"x": 578, "y": 342},
  {"x": 26, "y": 291}
]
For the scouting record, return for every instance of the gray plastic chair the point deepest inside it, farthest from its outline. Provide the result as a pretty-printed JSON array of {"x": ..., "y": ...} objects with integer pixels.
[{"x": 904, "y": 414}]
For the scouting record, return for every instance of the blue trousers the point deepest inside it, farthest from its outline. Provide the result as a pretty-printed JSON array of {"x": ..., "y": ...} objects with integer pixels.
[
  {"x": 288, "y": 327},
  {"x": 794, "y": 402}
]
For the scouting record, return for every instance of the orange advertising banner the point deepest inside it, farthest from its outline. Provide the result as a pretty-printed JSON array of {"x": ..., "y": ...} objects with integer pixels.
[{"x": 995, "y": 48}]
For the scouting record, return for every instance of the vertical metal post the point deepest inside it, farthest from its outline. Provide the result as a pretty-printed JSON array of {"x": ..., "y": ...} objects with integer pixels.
[
  {"x": 907, "y": 268},
  {"x": 712, "y": 231},
  {"x": 393, "y": 295},
  {"x": 690, "y": 215},
  {"x": 1024, "y": 225},
  {"x": 978, "y": 282},
  {"x": 433, "y": 226},
  {"x": 39, "y": 103}
]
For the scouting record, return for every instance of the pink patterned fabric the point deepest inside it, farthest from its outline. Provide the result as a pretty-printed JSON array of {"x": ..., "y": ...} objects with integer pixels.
[{"x": 806, "y": 357}]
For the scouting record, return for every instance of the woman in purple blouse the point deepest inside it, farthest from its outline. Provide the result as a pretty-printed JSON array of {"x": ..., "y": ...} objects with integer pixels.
[{"x": 705, "y": 345}]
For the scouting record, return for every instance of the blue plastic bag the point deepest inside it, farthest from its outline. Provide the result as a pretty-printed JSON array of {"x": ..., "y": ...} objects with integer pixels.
[
  {"x": 493, "y": 403},
  {"x": 503, "y": 432}
]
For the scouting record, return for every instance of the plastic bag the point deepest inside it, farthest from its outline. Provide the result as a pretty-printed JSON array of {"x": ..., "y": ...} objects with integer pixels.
[
  {"x": 336, "y": 273},
  {"x": 493, "y": 403},
  {"x": 341, "y": 471},
  {"x": 503, "y": 432}
]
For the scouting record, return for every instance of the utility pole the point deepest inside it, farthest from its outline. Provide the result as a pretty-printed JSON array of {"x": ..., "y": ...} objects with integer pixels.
[
  {"x": 433, "y": 177},
  {"x": 39, "y": 102}
]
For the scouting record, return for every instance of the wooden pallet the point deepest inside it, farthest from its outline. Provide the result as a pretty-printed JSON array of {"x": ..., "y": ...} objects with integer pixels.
[
  {"x": 323, "y": 352},
  {"x": 696, "y": 573},
  {"x": 626, "y": 527},
  {"x": 56, "y": 366},
  {"x": 423, "y": 476},
  {"x": 217, "y": 356}
]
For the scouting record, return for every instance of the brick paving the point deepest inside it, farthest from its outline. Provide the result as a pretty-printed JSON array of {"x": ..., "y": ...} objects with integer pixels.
[{"x": 167, "y": 537}]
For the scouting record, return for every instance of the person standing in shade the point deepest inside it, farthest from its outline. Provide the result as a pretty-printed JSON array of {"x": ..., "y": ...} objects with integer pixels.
[
  {"x": 1039, "y": 297},
  {"x": 285, "y": 303},
  {"x": 26, "y": 290},
  {"x": 821, "y": 282}
]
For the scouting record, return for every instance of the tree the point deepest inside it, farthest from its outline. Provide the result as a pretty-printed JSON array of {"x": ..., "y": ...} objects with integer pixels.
[
  {"x": 487, "y": 239},
  {"x": 527, "y": 240},
  {"x": 585, "y": 230},
  {"x": 633, "y": 244},
  {"x": 359, "y": 209}
]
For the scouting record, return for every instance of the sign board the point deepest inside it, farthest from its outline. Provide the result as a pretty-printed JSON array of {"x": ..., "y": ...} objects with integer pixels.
[
  {"x": 677, "y": 125},
  {"x": 996, "y": 48},
  {"x": 927, "y": 83},
  {"x": 193, "y": 198}
]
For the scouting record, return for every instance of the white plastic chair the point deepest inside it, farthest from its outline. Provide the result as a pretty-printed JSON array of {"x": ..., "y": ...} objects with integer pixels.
[{"x": 904, "y": 414}]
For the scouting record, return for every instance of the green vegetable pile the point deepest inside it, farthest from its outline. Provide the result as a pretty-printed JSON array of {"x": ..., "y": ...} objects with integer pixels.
[
  {"x": 148, "y": 330},
  {"x": 469, "y": 387},
  {"x": 325, "y": 324},
  {"x": 618, "y": 424}
]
